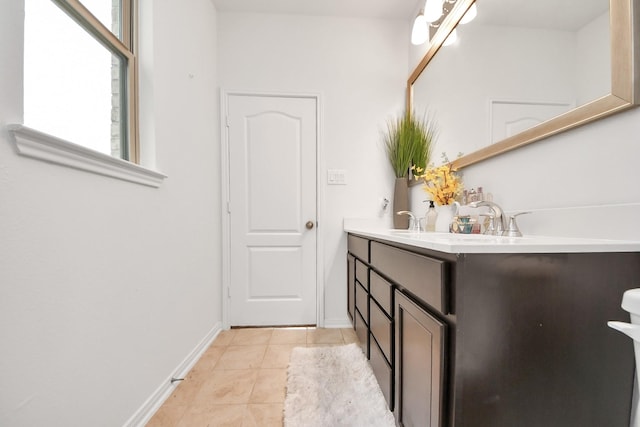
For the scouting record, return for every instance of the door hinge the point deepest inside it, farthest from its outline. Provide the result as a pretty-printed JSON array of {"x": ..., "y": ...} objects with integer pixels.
[
  {"x": 228, "y": 207},
  {"x": 226, "y": 120},
  {"x": 228, "y": 292}
]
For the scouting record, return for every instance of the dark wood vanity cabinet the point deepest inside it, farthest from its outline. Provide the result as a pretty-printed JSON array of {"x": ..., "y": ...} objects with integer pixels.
[
  {"x": 495, "y": 340},
  {"x": 418, "y": 341},
  {"x": 381, "y": 334},
  {"x": 351, "y": 279},
  {"x": 361, "y": 289},
  {"x": 358, "y": 289},
  {"x": 373, "y": 319}
]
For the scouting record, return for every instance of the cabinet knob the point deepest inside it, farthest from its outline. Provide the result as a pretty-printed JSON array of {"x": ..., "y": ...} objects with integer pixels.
[{"x": 309, "y": 225}]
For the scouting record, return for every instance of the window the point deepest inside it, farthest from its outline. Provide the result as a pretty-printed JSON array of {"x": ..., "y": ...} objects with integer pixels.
[{"x": 80, "y": 73}]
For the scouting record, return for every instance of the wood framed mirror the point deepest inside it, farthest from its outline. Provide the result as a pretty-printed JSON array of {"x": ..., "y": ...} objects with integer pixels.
[{"x": 470, "y": 90}]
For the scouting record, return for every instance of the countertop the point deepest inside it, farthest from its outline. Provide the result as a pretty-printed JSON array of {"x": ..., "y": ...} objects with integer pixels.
[{"x": 478, "y": 243}]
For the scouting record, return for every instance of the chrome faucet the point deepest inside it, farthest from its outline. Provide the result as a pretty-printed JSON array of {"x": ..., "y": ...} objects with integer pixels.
[
  {"x": 499, "y": 219},
  {"x": 414, "y": 225},
  {"x": 513, "y": 230}
]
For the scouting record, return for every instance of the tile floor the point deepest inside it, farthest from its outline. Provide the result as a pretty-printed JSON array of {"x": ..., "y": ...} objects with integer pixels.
[{"x": 241, "y": 378}]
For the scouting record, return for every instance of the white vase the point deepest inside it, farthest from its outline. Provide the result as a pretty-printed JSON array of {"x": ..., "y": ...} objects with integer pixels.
[{"x": 445, "y": 217}]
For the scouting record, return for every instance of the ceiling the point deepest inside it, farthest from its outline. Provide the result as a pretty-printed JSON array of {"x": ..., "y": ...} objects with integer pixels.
[
  {"x": 567, "y": 14},
  {"x": 560, "y": 15},
  {"x": 378, "y": 9}
]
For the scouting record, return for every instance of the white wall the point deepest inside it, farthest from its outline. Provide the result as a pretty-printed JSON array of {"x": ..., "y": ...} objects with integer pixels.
[
  {"x": 106, "y": 286},
  {"x": 358, "y": 67}
]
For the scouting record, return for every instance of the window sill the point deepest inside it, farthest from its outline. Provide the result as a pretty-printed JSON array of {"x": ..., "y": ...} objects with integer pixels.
[{"x": 38, "y": 145}]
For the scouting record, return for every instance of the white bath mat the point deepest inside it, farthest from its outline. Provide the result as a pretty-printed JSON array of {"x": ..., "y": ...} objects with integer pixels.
[{"x": 333, "y": 386}]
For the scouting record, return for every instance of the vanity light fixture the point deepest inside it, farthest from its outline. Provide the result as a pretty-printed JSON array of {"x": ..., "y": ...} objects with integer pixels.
[
  {"x": 420, "y": 31},
  {"x": 433, "y": 10},
  {"x": 433, "y": 14}
]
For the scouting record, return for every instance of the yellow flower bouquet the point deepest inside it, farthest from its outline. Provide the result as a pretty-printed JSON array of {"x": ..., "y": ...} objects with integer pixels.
[{"x": 442, "y": 183}]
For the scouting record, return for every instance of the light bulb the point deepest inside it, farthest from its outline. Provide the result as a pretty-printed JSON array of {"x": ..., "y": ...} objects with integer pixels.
[
  {"x": 469, "y": 14},
  {"x": 433, "y": 10},
  {"x": 420, "y": 31},
  {"x": 451, "y": 38}
]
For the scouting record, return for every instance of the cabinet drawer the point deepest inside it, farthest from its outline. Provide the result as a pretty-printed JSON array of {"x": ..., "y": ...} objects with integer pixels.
[
  {"x": 358, "y": 247},
  {"x": 380, "y": 326},
  {"x": 362, "y": 302},
  {"x": 351, "y": 283},
  {"x": 423, "y": 276},
  {"x": 362, "y": 273},
  {"x": 381, "y": 291},
  {"x": 361, "y": 332},
  {"x": 382, "y": 371}
]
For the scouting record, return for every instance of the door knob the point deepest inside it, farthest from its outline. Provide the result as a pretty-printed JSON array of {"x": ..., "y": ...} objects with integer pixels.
[{"x": 309, "y": 225}]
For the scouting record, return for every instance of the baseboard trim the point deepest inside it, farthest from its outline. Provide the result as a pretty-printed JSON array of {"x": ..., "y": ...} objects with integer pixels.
[
  {"x": 162, "y": 393},
  {"x": 337, "y": 323}
]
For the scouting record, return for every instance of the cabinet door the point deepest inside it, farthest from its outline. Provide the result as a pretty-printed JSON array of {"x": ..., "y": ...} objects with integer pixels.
[{"x": 419, "y": 365}]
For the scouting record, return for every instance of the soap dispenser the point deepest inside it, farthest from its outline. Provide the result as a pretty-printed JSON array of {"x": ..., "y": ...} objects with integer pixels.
[{"x": 430, "y": 218}]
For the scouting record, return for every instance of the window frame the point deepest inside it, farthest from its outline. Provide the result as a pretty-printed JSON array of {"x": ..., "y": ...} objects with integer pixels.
[
  {"x": 50, "y": 149},
  {"x": 126, "y": 46}
]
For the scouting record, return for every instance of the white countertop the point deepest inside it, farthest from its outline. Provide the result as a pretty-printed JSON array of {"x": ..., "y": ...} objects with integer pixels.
[{"x": 478, "y": 243}]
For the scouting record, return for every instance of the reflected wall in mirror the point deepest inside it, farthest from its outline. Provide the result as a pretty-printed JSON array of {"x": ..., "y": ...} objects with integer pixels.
[{"x": 522, "y": 71}]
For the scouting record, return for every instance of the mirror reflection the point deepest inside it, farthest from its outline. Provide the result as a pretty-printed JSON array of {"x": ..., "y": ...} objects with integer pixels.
[{"x": 516, "y": 65}]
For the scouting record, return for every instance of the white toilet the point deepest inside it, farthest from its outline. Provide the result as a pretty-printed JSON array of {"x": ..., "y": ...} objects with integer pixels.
[{"x": 631, "y": 303}]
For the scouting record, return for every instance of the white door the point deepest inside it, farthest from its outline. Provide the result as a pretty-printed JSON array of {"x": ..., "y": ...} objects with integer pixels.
[
  {"x": 512, "y": 117},
  {"x": 272, "y": 204}
]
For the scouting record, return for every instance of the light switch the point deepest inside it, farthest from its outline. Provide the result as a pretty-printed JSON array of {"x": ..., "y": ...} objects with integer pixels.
[{"x": 337, "y": 177}]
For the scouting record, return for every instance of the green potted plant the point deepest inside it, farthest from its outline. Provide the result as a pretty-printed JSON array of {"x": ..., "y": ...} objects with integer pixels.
[{"x": 408, "y": 142}]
